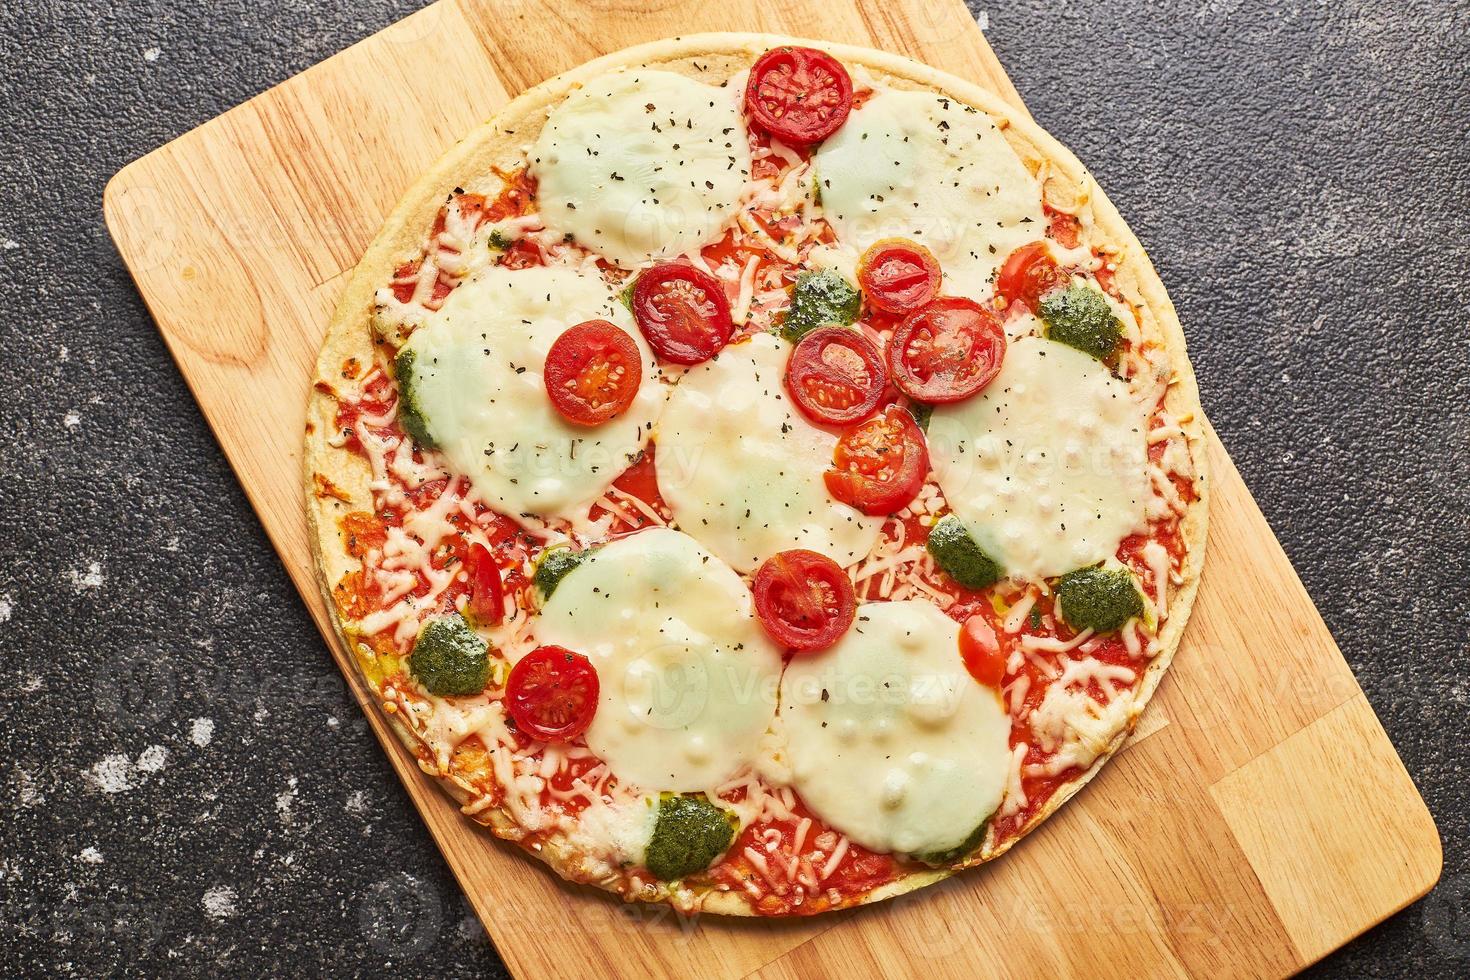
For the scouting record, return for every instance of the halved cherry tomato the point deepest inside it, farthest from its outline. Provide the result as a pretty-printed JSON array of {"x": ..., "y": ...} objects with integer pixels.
[
  {"x": 980, "y": 651},
  {"x": 683, "y": 312},
  {"x": 946, "y": 351},
  {"x": 879, "y": 466},
  {"x": 1029, "y": 274},
  {"x": 592, "y": 372},
  {"x": 804, "y": 600},
  {"x": 898, "y": 276},
  {"x": 835, "y": 376},
  {"x": 551, "y": 694},
  {"x": 487, "y": 596},
  {"x": 799, "y": 95}
]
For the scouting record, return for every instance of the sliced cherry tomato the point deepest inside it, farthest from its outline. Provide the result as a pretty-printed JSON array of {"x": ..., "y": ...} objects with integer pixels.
[
  {"x": 592, "y": 372},
  {"x": 835, "y": 376},
  {"x": 898, "y": 276},
  {"x": 551, "y": 694},
  {"x": 804, "y": 600},
  {"x": 980, "y": 651},
  {"x": 487, "y": 597},
  {"x": 799, "y": 95},
  {"x": 683, "y": 312},
  {"x": 946, "y": 351},
  {"x": 879, "y": 466},
  {"x": 1029, "y": 274}
]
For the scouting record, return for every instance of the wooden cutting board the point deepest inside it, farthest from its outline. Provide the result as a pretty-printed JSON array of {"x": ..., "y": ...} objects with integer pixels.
[{"x": 1258, "y": 819}]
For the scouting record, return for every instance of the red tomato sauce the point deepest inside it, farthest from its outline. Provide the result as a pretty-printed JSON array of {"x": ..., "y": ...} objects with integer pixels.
[
  {"x": 516, "y": 198},
  {"x": 1063, "y": 228},
  {"x": 357, "y": 594},
  {"x": 858, "y": 872},
  {"x": 638, "y": 480}
]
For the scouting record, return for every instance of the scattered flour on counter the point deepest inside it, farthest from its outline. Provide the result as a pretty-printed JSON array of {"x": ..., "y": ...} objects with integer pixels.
[
  {"x": 92, "y": 578},
  {"x": 27, "y": 792},
  {"x": 112, "y": 774},
  {"x": 219, "y": 902},
  {"x": 152, "y": 54},
  {"x": 470, "y": 930},
  {"x": 90, "y": 855},
  {"x": 7, "y": 608},
  {"x": 201, "y": 731},
  {"x": 357, "y": 804},
  {"x": 71, "y": 419},
  {"x": 152, "y": 759},
  {"x": 116, "y": 773},
  {"x": 286, "y": 799}
]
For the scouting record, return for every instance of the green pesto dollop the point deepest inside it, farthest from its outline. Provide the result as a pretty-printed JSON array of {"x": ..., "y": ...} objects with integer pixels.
[
  {"x": 688, "y": 835},
  {"x": 553, "y": 566},
  {"x": 498, "y": 241},
  {"x": 409, "y": 413},
  {"x": 1079, "y": 316},
  {"x": 960, "y": 851},
  {"x": 817, "y": 299},
  {"x": 450, "y": 658},
  {"x": 958, "y": 554},
  {"x": 1100, "y": 598}
]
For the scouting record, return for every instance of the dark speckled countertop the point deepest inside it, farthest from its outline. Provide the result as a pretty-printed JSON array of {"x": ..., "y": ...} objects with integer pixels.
[{"x": 185, "y": 786}]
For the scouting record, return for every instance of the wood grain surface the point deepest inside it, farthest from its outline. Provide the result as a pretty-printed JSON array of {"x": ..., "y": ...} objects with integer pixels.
[{"x": 1259, "y": 817}]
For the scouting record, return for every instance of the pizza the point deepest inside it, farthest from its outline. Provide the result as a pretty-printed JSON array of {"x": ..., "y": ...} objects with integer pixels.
[{"x": 757, "y": 475}]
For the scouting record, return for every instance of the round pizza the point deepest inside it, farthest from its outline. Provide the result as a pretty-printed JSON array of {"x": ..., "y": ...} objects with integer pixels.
[{"x": 757, "y": 475}]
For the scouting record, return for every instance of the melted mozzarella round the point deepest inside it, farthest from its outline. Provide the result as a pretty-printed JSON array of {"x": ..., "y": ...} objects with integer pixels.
[
  {"x": 477, "y": 379},
  {"x": 640, "y": 164},
  {"x": 688, "y": 677},
  {"x": 922, "y": 166},
  {"x": 889, "y": 738},
  {"x": 1048, "y": 466},
  {"x": 742, "y": 469}
]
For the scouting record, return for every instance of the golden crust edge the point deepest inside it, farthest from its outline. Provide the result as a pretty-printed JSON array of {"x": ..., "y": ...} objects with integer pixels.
[{"x": 349, "y": 334}]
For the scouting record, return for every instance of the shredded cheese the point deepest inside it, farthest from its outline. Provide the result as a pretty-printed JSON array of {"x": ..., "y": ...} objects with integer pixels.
[
  {"x": 1015, "y": 799},
  {"x": 741, "y": 312}
]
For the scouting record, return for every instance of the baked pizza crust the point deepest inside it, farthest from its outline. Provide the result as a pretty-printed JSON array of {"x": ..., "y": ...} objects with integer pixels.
[{"x": 498, "y": 144}]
